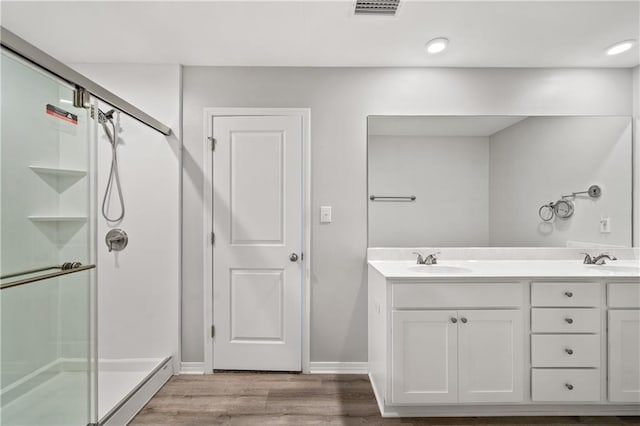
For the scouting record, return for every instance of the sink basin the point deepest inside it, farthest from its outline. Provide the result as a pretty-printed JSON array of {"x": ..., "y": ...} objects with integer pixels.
[
  {"x": 616, "y": 268},
  {"x": 439, "y": 269}
]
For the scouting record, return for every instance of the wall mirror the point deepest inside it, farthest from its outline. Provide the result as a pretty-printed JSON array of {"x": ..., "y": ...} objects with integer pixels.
[{"x": 499, "y": 181}]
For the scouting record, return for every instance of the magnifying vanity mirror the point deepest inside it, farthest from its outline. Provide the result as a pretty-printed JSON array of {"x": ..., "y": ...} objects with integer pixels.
[{"x": 499, "y": 181}]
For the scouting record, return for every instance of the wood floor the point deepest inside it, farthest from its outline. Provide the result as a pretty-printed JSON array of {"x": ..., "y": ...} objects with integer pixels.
[{"x": 293, "y": 399}]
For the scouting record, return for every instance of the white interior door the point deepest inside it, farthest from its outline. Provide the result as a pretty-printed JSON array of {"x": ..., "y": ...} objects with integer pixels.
[{"x": 257, "y": 222}]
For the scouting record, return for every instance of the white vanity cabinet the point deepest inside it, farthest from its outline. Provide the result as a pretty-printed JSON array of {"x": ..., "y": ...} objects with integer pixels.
[
  {"x": 624, "y": 341},
  {"x": 503, "y": 345},
  {"x": 456, "y": 354},
  {"x": 424, "y": 353}
]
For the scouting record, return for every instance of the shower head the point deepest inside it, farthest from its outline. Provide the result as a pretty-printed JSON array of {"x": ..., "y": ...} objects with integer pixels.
[{"x": 103, "y": 117}]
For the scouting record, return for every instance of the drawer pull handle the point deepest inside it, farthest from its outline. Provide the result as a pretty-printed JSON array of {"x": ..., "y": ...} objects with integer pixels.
[
  {"x": 569, "y": 351},
  {"x": 568, "y": 294},
  {"x": 569, "y": 386},
  {"x": 464, "y": 320},
  {"x": 569, "y": 320},
  {"x": 454, "y": 320}
]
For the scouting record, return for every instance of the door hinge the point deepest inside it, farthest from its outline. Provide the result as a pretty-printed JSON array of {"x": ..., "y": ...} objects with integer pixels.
[
  {"x": 81, "y": 98},
  {"x": 213, "y": 331},
  {"x": 212, "y": 141},
  {"x": 213, "y": 238}
]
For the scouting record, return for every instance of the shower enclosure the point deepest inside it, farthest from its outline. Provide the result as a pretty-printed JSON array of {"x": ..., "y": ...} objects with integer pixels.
[
  {"x": 58, "y": 366},
  {"x": 47, "y": 303}
]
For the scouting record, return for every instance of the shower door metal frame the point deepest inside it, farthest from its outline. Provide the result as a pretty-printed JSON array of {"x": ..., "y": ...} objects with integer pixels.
[{"x": 27, "y": 51}]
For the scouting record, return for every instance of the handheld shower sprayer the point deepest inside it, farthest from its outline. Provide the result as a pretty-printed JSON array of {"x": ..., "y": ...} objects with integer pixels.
[{"x": 106, "y": 119}]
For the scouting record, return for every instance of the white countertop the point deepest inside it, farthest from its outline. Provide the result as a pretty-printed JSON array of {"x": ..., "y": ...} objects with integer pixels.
[{"x": 507, "y": 269}]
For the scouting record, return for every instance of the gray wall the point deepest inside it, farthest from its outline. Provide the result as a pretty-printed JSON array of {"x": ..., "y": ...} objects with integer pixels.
[{"x": 340, "y": 100}]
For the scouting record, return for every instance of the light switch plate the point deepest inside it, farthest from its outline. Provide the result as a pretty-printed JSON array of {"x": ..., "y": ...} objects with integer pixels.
[
  {"x": 605, "y": 225},
  {"x": 325, "y": 214}
]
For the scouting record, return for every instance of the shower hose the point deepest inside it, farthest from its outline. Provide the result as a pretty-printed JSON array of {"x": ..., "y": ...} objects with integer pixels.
[{"x": 114, "y": 175}]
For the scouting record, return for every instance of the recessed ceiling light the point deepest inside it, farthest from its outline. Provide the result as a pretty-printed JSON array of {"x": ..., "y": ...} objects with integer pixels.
[
  {"x": 618, "y": 48},
  {"x": 437, "y": 45}
]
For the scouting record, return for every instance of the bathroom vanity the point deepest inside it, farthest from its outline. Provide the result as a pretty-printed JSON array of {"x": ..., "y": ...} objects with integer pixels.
[{"x": 503, "y": 337}]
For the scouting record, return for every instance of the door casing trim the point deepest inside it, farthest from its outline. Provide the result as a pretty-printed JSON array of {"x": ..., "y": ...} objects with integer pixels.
[{"x": 207, "y": 261}]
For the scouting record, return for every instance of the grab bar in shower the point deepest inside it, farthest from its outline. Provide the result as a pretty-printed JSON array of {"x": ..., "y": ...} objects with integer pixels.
[
  {"x": 64, "y": 270},
  {"x": 389, "y": 198}
]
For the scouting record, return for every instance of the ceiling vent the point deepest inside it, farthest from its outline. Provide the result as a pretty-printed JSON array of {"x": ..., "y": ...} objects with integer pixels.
[{"x": 377, "y": 7}]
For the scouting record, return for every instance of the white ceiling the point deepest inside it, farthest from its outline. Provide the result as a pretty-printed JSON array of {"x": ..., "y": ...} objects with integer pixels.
[
  {"x": 471, "y": 126},
  {"x": 326, "y": 33}
]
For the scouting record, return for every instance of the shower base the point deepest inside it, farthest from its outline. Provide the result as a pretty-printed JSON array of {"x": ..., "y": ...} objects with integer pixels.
[{"x": 124, "y": 387}]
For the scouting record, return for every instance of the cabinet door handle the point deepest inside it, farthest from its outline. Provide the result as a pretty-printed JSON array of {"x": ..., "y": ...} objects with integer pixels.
[
  {"x": 569, "y": 351},
  {"x": 568, "y": 294},
  {"x": 464, "y": 320},
  {"x": 569, "y": 320},
  {"x": 454, "y": 320},
  {"x": 569, "y": 386}
]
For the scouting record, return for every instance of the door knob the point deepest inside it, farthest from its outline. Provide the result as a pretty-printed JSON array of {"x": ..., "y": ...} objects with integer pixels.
[{"x": 293, "y": 257}]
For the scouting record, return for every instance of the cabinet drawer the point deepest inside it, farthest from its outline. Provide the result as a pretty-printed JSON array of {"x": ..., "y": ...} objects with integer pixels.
[
  {"x": 565, "y": 350},
  {"x": 565, "y": 320},
  {"x": 623, "y": 295},
  {"x": 457, "y": 295},
  {"x": 565, "y": 385},
  {"x": 565, "y": 294}
]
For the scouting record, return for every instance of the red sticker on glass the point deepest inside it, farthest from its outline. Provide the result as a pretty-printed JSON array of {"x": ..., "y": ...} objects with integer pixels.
[{"x": 62, "y": 114}]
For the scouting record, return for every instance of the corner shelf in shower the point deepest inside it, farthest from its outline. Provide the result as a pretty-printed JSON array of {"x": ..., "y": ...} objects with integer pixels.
[
  {"x": 58, "y": 178},
  {"x": 58, "y": 171},
  {"x": 58, "y": 218}
]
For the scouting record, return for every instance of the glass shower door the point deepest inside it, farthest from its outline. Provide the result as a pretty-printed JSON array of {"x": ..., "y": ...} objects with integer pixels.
[{"x": 47, "y": 299}]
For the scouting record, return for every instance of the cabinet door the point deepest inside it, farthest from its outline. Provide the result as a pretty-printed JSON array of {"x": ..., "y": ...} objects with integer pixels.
[
  {"x": 490, "y": 352},
  {"x": 424, "y": 357},
  {"x": 624, "y": 356}
]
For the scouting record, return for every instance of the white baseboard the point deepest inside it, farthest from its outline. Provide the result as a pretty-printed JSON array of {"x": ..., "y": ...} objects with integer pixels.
[
  {"x": 192, "y": 368},
  {"x": 338, "y": 368}
]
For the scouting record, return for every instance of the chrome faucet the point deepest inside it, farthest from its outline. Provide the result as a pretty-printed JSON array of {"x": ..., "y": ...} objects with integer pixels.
[
  {"x": 597, "y": 260},
  {"x": 429, "y": 260}
]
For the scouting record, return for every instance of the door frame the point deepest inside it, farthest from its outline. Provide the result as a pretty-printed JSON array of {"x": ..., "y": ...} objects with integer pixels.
[{"x": 207, "y": 224}]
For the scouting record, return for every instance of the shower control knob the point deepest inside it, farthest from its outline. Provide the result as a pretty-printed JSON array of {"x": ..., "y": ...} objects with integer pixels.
[
  {"x": 116, "y": 239},
  {"x": 293, "y": 257}
]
